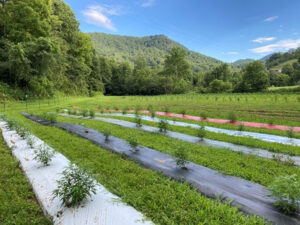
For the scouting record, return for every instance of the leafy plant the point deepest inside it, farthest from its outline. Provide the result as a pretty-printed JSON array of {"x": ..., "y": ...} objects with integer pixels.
[
  {"x": 183, "y": 112},
  {"x": 290, "y": 133},
  {"x": 287, "y": 190},
  {"x": 74, "y": 186},
  {"x": 152, "y": 114},
  {"x": 44, "y": 154},
  {"x": 163, "y": 126},
  {"x": 201, "y": 132},
  {"x": 232, "y": 117},
  {"x": 166, "y": 110},
  {"x": 92, "y": 113},
  {"x": 124, "y": 111},
  {"x": 30, "y": 141},
  {"x": 22, "y": 131},
  {"x": 277, "y": 157},
  {"x": 203, "y": 115},
  {"x": 181, "y": 157},
  {"x": 50, "y": 117},
  {"x": 138, "y": 121},
  {"x": 106, "y": 134},
  {"x": 133, "y": 143},
  {"x": 289, "y": 161},
  {"x": 84, "y": 113},
  {"x": 241, "y": 127}
]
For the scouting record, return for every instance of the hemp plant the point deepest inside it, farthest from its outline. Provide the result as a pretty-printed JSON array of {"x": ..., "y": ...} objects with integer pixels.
[
  {"x": 181, "y": 157},
  {"x": 201, "y": 132},
  {"x": 163, "y": 126},
  {"x": 138, "y": 121},
  {"x": 44, "y": 154},
  {"x": 74, "y": 186},
  {"x": 133, "y": 142},
  {"x": 106, "y": 134}
]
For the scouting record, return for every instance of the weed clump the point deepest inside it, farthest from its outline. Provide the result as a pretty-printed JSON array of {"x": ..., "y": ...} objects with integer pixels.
[
  {"x": 92, "y": 113},
  {"x": 138, "y": 121},
  {"x": 241, "y": 127},
  {"x": 50, "y": 117},
  {"x": 74, "y": 186},
  {"x": 290, "y": 133}
]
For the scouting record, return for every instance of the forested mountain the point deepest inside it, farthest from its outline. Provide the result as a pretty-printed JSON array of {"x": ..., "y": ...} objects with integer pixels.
[
  {"x": 152, "y": 48},
  {"x": 279, "y": 58},
  {"x": 42, "y": 50}
]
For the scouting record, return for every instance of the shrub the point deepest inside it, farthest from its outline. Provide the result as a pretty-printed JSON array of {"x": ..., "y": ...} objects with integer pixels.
[
  {"x": 181, "y": 157},
  {"x": 203, "y": 115},
  {"x": 44, "y": 154},
  {"x": 290, "y": 133},
  {"x": 201, "y": 132},
  {"x": 232, "y": 117},
  {"x": 163, "y": 126},
  {"x": 106, "y": 134},
  {"x": 138, "y": 121},
  {"x": 287, "y": 190},
  {"x": 74, "y": 186},
  {"x": 241, "y": 127},
  {"x": 133, "y": 143},
  {"x": 92, "y": 113}
]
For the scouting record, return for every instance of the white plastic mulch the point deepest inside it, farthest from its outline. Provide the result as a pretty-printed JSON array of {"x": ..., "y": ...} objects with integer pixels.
[{"x": 103, "y": 208}]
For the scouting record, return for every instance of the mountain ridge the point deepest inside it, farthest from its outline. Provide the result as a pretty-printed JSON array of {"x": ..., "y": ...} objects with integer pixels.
[{"x": 153, "y": 48}]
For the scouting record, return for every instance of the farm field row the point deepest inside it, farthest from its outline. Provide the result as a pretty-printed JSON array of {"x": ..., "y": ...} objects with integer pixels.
[
  {"x": 146, "y": 190},
  {"x": 240, "y": 140},
  {"x": 232, "y": 163}
]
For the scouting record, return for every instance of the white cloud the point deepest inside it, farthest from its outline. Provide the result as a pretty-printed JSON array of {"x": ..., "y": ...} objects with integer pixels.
[
  {"x": 148, "y": 3},
  {"x": 232, "y": 53},
  {"x": 278, "y": 46},
  {"x": 270, "y": 19},
  {"x": 99, "y": 15},
  {"x": 263, "y": 39}
]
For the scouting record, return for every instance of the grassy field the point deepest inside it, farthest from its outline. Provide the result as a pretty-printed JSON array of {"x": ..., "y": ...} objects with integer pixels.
[
  {"x": 149, "y": 191},
  {"x": 264, "y": 107}
]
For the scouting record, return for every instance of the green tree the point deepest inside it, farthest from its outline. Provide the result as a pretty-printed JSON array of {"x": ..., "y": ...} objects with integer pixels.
[{"x": 255, "y": 77}]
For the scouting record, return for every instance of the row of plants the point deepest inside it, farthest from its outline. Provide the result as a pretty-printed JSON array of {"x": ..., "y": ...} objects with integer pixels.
[
  {"x": 285, "y": 188},
  {"x": 144, "y": 189},
  {"x": 75, "y": 184},
  {"x": 246, "y": 141},
  {"x": 18, "y": 202},
  {"x": 249, "y": 167}
]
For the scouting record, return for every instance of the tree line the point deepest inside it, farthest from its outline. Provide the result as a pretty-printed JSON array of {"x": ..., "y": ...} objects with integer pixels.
[{"x": 42, "y": 51}]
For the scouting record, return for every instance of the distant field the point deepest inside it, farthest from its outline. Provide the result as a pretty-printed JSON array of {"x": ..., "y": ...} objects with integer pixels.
[{"x": 263, "y": 107}]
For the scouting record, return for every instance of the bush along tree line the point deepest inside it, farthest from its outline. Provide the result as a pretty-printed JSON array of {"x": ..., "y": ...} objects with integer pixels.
[{"x": 42, "y": 51}]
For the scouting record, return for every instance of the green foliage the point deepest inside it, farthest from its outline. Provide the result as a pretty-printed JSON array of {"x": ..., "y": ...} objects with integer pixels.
[
  {"x": 138, "y": 121},
  {"x": 152, "y": 114},
  {"x": 51, "y": 117},
  {"x": 18, "y": 203},
  {"x": 133, "y": 142},
  {"x": 84, "y": 113},
  {"x": 287, "y": 190},
  {"x": 290, "y": 133},
  {"x": 181, "y": 157},
  {"x": 203, "y": 115},
  {"x": 153, "y": 48},
  {"x": 163, "y": 126},
  {"x": 255, "y": 78},
  {"x": 106, "y": 134},
  {"x": 232, "y": 117},
  {"x": 219, "y": 86},
  {"x": 42, "y": 49},
  {"x": 30, "y": 141},
  {"x": 241, "y": 127},
  {"x": 92, "y": 113},
  {"x": 44, "y": 154},
  {"x": 201, "y": 132},
  {"x": 74, "y": 186}
]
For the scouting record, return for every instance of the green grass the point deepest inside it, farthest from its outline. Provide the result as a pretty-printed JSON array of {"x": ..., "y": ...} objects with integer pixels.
[
  {"x": 249, "y": 167},
  {"x": 261, "y": 107},
  {"x": 246, "y": 141},
  {"x": 162, "y": 200},
  {"x": 18, "y": 204}
]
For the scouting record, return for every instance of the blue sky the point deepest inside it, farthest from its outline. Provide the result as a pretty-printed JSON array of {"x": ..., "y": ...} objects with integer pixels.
[{"x": 225, "y": 29}]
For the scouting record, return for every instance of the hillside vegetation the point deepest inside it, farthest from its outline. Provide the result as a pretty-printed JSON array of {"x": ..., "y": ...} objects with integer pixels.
[{"x": 152, "y": 48}]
